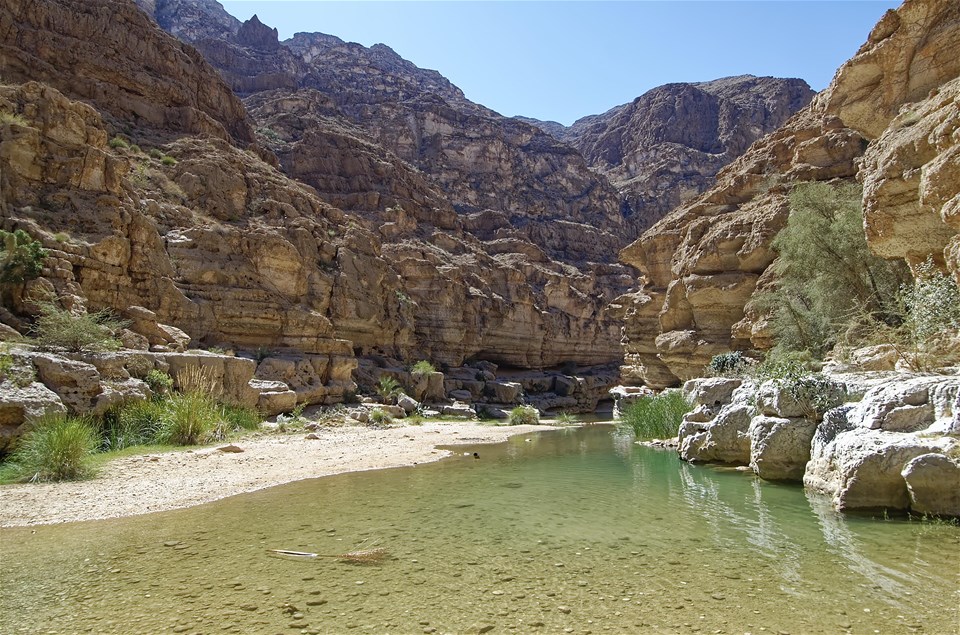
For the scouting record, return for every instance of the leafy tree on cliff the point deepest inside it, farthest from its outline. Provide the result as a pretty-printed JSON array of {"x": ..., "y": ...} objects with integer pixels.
[
  {"x": 21, "y": 259},
  {"x": 828, "y": 282}
]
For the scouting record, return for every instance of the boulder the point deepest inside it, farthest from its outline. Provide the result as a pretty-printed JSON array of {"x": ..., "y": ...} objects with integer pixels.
[
  {"x": 459, "y": 410},
  {"x": 879, "y": 357},
  {"x": 504, "y": 391},
  {"x": 461, "y": 395},
  {"x": 114, "y": 393},
  {"x": 863, "y": 468},
  {"x": 428, "y": 386},
  {"x": 723, "y": 439},
  {"x": 22, "y": 404},
  {"x": 76, "y": 383},
  {"x": 408, "y": 403},
  {"x": 780, "y": 447},
  {"x": 905, "y": 405},
  {"x": 710, "y": 391},
  {"x": 231, "y": 375},
  {"x": 274, "y": 397},
  {"x": 933, "y": 482}
]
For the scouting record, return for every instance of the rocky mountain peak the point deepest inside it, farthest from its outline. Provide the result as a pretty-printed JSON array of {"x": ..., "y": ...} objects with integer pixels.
[{"x": 256, "y": 34}]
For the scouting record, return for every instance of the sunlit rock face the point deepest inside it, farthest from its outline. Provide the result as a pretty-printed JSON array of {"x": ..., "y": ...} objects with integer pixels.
[
  {"x": 666, "y": 146},
  {"x": 887, "y": 119}
]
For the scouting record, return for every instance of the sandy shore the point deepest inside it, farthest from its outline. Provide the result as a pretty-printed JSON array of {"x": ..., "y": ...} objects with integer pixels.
[{"x": 157, "y": 482}]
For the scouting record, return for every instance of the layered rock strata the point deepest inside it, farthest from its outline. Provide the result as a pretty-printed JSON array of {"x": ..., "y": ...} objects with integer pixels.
[
  {"x": 703, "y": 262},
  {"x": 109, "y": 54}
]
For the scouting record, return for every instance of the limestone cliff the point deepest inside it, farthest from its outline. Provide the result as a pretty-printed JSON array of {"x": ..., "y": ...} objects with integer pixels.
[
  {"x": 479, "y": 160},
  {"x": 203, "y": 231},
  {"x": 702, "y": 262},
  {"x": 109, "y": 54}
]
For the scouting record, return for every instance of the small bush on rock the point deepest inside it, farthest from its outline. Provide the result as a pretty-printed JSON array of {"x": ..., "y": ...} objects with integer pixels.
[
  {"x": 656, "y": 417},
  {"x": 423, "y": 367},
  {"x": 732, "y": 364},
  {"x": 56, "y": 448},
  {"x": 524, "y": 416},
  {"x": 57, "y": 328},
  {"x": 379, "y": 417},
  {"x": 158, "y": 382},
  {"x": 21, "y": 257}
]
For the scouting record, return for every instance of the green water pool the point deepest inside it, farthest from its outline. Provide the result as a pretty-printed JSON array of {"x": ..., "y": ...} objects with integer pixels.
[{"x": 573, "y": 531}]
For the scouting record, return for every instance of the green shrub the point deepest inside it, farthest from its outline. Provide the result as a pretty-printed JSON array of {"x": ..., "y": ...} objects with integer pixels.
[
  {"x": 241, "y": 417},
  {"x": 423, "y": 367},
  {"x": 931, "y": 319},
  {"x": 56, "y": 448},
  {"x": 567, "y": 418},
  {"x": 656, "y": 417},
  {"x": 155, "y": 153},
  {"x": 826, "y": 278},
  {"x": 119, "y": 142},
  {"x": 524, "y": 416},
  {"x": 798, "y": 374},
  {"x": 158, "y": 382},
  {"x": 380, "y": 417},
  {"x": 12, "y": 118},
  {"x": 58, "y": 328},
  {"x": 732, "y": 364},
  {"x": 388, "y": 388},
  {"x": 6, "y": 363},
  {"x": 132, "y": 423},
  {"x": 21, "y": 257},
  {"x": 190, "y": 419}
]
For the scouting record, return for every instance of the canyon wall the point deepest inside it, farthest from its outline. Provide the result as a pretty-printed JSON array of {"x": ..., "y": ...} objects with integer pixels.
[{"x": 888, "y": 119}]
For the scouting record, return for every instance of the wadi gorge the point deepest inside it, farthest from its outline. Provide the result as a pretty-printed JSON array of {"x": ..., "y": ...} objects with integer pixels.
[{"x": 327, "y": 214}]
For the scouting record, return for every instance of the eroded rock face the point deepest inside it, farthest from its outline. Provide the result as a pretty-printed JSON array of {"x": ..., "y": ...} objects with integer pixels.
[
  {"x": 863, "y": 454},
  {"x": 666, "y": 146},
  {"x": 718, "y": 245},
  {"x": 911, "y": 181},
  {"x": 478, "y": 159},
  {"x": 119, "y": 61}
]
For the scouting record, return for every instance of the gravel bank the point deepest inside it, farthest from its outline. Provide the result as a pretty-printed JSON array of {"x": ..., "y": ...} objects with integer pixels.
[{"x": 158, "y": 482}]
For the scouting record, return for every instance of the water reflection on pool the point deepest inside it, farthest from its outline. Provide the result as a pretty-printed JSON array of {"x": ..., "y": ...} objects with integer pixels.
[{"x": 570, "y": 531}]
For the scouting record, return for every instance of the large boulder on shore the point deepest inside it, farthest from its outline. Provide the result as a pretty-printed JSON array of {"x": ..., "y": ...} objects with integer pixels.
[
  {"x": 780, "y": 447},
  {"x": 863, "y": 469},
  {"x": 933, "y": 482},
  {"x": 722, "y": 439}
]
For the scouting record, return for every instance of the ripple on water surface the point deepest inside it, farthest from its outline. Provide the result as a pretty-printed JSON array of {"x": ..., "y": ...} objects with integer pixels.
[{"x": 568, "y": 531}]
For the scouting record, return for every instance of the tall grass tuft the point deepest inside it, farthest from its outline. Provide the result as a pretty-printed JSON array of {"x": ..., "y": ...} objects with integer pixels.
[
  {"x": 191, "y": 419},
  {"x": 656, "y": 417},
  {"x": 57, "y": 448},
  {"x": 241, "y": 417},
  {"x": 132, "y": 423},
  {"x": 198, "y": 379},
  {"x": 524, "y": 416}
]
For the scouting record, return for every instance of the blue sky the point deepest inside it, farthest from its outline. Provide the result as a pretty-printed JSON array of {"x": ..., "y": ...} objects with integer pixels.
[{"x": 563, "y": 60}]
